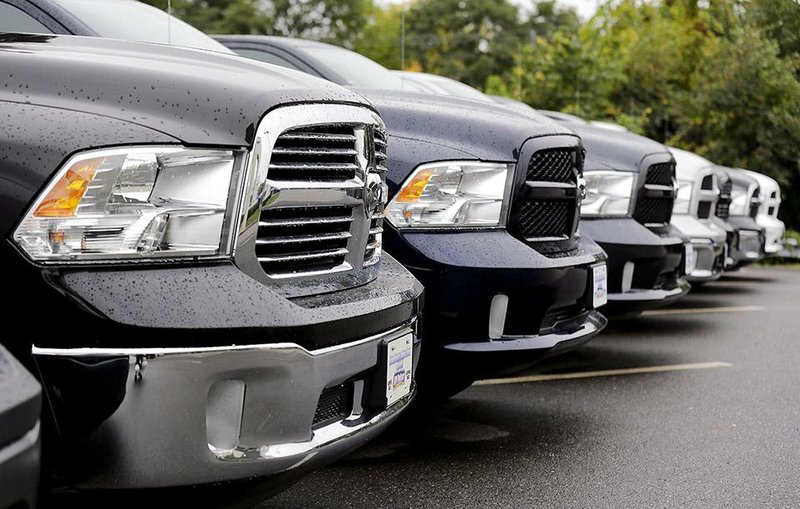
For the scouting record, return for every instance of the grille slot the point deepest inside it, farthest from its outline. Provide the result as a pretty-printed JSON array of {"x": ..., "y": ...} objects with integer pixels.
[
  {"x": 708, "y": 183},
  {"x": 704, "y": 209},
  {"x": 303, "y": 239},
  {"x": 755, "y": 203},
  {"x": 315, "y": 153},
  {"x": 660, "y": 174},
  {"x": 653, "y": 210},
  {"x": 724, "y": 201},
  {"x": 546, "y": 219},
  {"x": 552, "y": 165},
  {"x": 335, "y": 404}
]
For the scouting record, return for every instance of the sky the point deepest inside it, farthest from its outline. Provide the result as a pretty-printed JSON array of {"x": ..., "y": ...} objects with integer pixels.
[{"x": 585, "y": 8}]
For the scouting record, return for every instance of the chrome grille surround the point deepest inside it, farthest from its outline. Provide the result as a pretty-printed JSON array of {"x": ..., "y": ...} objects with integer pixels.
[{"x": 307, "y": 219}]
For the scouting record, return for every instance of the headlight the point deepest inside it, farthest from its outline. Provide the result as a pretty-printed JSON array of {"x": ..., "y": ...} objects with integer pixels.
[
  {"x": 608, "y": 193},
  {"x": 683, "y": 197},
  {"x": 740, "y": 204},
  {"x": 451, "y": 194},
  {"x": 136, "y": 203}
]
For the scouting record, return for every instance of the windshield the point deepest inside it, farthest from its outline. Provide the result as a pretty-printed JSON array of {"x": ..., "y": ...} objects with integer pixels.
[
  {"x": 135, "y": 21},
  {"x": 356, "y": 70}
]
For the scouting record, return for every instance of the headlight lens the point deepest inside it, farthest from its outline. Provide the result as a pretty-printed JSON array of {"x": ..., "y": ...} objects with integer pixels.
[
  {"x": 451, "y": 194},
  {"x": 608, "y": 193},
  {"x": 132, "y": 203},
  {"x": 683, "y": 197}
]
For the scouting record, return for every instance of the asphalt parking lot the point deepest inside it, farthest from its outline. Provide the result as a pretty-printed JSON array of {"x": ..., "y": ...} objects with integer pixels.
[{"x": 696, "y": 405}]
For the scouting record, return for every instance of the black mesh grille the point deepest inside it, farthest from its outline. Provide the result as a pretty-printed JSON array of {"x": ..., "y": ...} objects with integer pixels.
[
  {"x": 660, "y": 174},
  {"x": 708, "y": 183},
  {"x": 335, "y": 403},
  {"x": 303, "y": 239},
  {"x": 724, "y": 201},
  {"x": 546, "y": 218},
  {"x": 316, "y": 153},
  {"x": 653, "y": 210},
  {"x": 552, "y": 165}
]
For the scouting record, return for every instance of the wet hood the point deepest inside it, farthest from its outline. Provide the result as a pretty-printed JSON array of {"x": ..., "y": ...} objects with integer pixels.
[
  {"x": 608, "y": 149},
  {"x": 198, "y": 97},
  {"x": 482, "y": 130}
]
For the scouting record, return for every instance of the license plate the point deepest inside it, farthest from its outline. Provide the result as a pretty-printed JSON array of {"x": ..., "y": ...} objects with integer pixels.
[
  {"x": 399, "y": 368},
  {"x": 689, "y": 258},
  {"x": 599, "y": 285}
]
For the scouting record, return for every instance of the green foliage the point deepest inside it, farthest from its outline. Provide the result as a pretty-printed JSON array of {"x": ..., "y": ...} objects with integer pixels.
[
  {"x": 468, "y": 40},
  {"x": 335, "y": 21},
  {"x": 719, "y": 77},
  {"x": 381, "y": 37}
]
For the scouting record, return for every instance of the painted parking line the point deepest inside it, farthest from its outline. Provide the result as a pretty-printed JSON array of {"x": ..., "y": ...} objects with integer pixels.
[
  {"x": 607, "y": 372},
  {"x": 701, "y": 311}
]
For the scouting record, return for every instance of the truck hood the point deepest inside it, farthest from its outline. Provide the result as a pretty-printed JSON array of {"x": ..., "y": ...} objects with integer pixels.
[
  {"x": 608, "y": 149},
  {"x": 481, "y": 130},
  {"x": 199, "y": 97}
]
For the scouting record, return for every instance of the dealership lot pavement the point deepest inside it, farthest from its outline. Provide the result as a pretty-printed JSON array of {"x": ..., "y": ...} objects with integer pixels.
[{"x": 697, "y": 405}]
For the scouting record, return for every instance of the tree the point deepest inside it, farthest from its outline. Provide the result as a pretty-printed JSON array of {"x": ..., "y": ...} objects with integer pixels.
[
  {"x": 468, "y": 40},
  {"x": 381, "y": 36},
  {"x": 336, "y": 21}
]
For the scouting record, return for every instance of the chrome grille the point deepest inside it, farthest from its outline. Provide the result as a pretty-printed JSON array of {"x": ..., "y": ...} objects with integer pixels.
[
  {"x": 375, "y": 238},
  {"x": 303, "y": 239},
  {"x": 316, "y": 153},
  {"x": 315, "y": 202}
]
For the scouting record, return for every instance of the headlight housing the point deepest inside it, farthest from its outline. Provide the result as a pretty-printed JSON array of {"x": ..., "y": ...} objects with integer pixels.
[
  {"x": 608, "y": 193},
  {"x": 133, "y": 203},
  {"x": 452, "y": 194},
  {"x": 683, "y": 197}
]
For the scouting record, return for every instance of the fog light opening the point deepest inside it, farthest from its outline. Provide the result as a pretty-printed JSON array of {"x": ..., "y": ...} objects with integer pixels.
[
  {"x": 627, "y": 277},
  {"x": 224, "y": 414},
  {"x": 497, "y": 316}
]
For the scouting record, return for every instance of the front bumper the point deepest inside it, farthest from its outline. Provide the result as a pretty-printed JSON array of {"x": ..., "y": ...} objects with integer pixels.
[
  {"x": 493, "y": 304},
  {"x": 749, "y": 243},
  {"x": 196, "y": 416},
  {"x": 645, "y": 269},
  {"x": 20, "y": 407},
  {"x": 198, "y": 335},
  {"x": 708, "y": 243},
  {"x": 774, "y": 232}
]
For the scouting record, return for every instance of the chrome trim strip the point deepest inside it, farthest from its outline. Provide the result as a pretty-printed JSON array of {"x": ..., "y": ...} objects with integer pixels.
[{"x": 116, "y": 352}]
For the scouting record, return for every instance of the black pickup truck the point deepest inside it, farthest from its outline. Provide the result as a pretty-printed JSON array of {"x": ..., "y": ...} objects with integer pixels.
[
  {"x": 196, "y": 262},
  {"x": 628, "y": 205},
  {"x": 484, "y": 210}
]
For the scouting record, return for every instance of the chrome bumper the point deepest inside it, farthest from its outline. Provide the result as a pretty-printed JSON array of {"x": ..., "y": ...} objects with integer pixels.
[
  {"x": 709, "y": 259},
  {"x": 197, "y": 416},
  {"x": 750, "y": 245}
]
